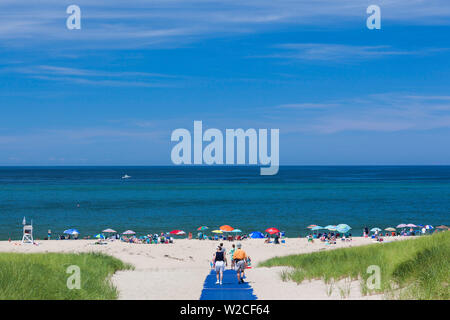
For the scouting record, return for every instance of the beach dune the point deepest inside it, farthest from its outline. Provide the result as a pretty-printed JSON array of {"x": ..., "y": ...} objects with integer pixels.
[{"x": 177, "y": 271}]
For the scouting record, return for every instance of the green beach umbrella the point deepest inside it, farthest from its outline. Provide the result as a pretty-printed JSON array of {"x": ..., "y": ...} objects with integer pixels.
[{"x": 343, "y": 228}]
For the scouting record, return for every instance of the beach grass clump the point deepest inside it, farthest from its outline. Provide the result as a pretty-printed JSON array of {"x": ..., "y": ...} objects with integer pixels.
[
  {"x": 410, "y": 269},
  {"x": 44, "y": 276}
]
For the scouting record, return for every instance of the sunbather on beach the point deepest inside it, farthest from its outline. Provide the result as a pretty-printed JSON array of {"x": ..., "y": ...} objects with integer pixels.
[{"x": 220, "y": 261}]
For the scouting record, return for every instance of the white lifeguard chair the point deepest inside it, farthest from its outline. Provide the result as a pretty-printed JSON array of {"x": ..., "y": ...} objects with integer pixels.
[{"x": 27, "y": 234}]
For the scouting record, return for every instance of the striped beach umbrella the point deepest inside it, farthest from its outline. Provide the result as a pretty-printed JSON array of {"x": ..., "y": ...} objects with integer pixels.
[
  {"x": 331, "y": 227},
  {"x": 317, "y": 228},
  {"x": 202, "y": 228},
  {"x": 429, "y": 227},
  {"x": 109, "y": 230},
  {"x": 129, "y": 232},
  {"x": 311, "y": 226}
]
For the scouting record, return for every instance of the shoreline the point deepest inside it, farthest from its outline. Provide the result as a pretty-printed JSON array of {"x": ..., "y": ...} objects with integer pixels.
[{"x": 177, "y": 271}]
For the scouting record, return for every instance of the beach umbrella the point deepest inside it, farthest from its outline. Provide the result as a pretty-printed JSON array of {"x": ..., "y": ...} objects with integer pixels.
[
  {"x": 410, "y": 225},
  {"x": 176, "y": 231},
  {"x": 256, "y": 235},
  {"x": 71, "y": 231},
  {"x": 226, "y": 228},
  {"x": 237, "y": 230},
  {"x": 343, "y": 228},
  {"x": 402, "y": 225},
  {"x": 272, "y": 230},
  {"x": 202, "y": 228},
  {"x": 317, "y": 228},
  {"x": 129, "y": 232},
  {"x": 180, "y": 233},
  {"x": 375, "y": 230},
  {"x": 390, "y": 229},
  {"x": 442, "y": 227},
  {"x": 99, "y": 236},
  {"x": 330, "y": 227},
  {"x": 429, "y": 227},
  {"x": 217, "y": 231},
  {"x": 109, "y": 230},
  {"x": 311, "y": 226}
]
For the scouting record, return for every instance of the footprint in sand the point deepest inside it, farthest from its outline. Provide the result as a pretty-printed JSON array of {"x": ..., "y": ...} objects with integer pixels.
[{"x": 174, "y": 258}]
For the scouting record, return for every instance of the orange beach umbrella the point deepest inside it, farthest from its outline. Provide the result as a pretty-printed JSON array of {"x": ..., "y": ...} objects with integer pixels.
[{"x": 226, "y": 228}]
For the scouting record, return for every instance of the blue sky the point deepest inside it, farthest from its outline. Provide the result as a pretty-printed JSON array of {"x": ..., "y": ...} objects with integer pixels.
[{"x": 112, "y": 92}]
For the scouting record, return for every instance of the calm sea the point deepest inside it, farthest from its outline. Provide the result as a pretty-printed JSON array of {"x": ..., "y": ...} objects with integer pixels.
[{"x": 157, "y": 199}]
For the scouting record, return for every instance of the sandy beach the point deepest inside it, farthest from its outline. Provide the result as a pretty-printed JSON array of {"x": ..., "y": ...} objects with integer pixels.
[{"x": 178, "y": 270}]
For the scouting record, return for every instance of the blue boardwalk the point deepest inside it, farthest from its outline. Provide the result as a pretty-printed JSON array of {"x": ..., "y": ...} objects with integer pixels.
[{"x": 229, "y": 290}]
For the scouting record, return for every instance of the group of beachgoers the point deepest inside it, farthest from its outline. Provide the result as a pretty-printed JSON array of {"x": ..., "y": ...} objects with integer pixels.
[{"x": 239, "y": 262}]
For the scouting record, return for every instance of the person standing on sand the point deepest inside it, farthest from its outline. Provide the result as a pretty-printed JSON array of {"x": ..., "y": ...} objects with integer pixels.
[
  {"x": 233, "y": 249},
  {"x": 240, "y": 257},
  {"x": 220, "y": 261}
]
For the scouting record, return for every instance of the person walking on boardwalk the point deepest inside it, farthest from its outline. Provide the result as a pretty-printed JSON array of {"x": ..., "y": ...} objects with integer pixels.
[
  {"x": 220, "y": 261},
  {"x": 240, "y": 257}
]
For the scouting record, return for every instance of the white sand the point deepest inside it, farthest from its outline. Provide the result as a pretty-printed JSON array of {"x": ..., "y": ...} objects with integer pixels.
[{"x": 177, "y": 271}]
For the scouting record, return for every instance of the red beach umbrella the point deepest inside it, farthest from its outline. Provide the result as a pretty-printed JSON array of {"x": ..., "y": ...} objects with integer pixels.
[
  {"x": 272, "y": 230},
  {"x": 176, "y": 231}
]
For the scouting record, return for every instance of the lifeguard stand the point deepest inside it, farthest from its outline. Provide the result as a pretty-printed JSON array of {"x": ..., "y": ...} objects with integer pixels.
[{"x": 27, "y": 234}]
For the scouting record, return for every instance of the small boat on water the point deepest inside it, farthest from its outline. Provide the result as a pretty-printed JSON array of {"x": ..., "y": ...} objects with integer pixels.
[{"x": 126, "y": 177}]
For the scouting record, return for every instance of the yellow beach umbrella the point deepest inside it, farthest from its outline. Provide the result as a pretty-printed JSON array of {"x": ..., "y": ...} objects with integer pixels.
[{"x": 217, "y": 231}]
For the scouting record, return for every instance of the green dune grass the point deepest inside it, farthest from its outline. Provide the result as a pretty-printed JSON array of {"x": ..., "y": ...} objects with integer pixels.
[
  {"x": 410, "y": 269},
  {"x": 39, "y": 276}
]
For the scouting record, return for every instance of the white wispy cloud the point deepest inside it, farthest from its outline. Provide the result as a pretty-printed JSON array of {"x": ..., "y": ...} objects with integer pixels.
[
  {"x": 115, "y": 23},
  {"x": 389, "y": 112},
  {"x": 96, "y": 77},
  {"x": 342, "y": 52}
]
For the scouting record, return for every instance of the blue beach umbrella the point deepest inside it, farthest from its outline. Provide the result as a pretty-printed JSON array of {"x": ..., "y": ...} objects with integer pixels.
[
  {"x": 71, "y": 231},
  {"x": 237, "y": 230},
  {"x": 375, "y": 229},
  {"x": 330, "y": 227},
  {"x": 99, "y": 236},
  {"x": 256, "y": 235},
  {"x": 429, "y": 227}
]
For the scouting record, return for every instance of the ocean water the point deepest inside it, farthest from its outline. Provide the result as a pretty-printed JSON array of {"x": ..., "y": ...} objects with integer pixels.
[{"x": 158, "y": 199}]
